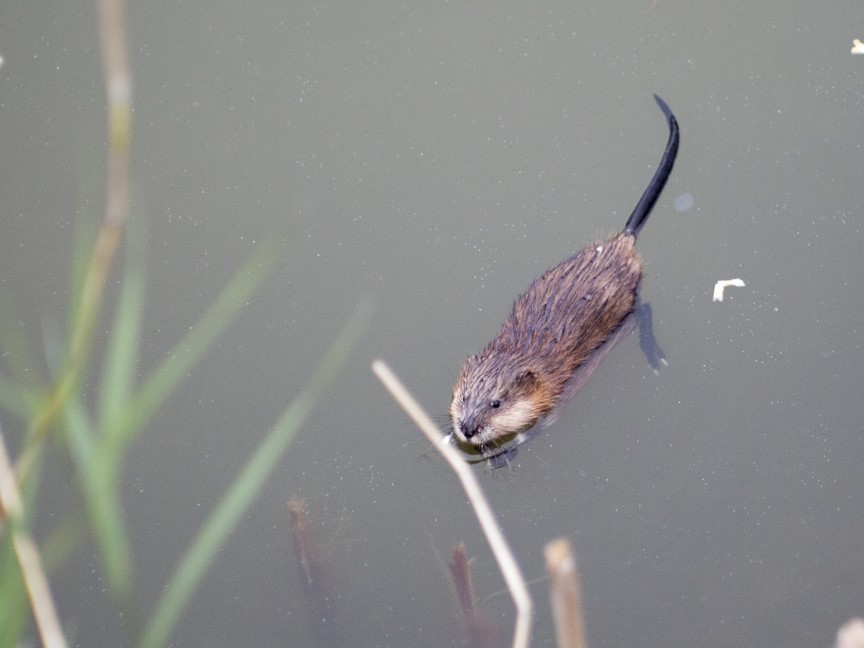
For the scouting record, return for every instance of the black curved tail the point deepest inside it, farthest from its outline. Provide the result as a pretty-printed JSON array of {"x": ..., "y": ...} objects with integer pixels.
[{"x": 646, "y": 202}]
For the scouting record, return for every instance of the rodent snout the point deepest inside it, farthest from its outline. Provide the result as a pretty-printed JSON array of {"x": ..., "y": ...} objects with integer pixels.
[{"x": 467, "y": 431}]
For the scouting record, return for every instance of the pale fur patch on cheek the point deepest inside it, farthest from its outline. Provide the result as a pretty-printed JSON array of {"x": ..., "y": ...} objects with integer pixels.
[{"x": 518, "y": 417}]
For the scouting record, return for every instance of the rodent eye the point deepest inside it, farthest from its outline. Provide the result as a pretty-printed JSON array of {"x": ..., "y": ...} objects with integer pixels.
[{"x": 495, "y": 404}]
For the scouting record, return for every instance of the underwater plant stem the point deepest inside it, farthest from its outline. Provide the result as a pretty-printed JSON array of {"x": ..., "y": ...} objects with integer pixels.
[
  {"x": 41, "y": 602},
  {"x": 305, "y": 542},
  {"x": 480, "y": 631},
  {"x": 458, "y": 567},
  {"x": 506, "y": 562}
]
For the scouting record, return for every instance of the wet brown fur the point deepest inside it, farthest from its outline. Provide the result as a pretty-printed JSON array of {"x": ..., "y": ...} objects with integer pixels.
[{"x": 555, "y": 328}]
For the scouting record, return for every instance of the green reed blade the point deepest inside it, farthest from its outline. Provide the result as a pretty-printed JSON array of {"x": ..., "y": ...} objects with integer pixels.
[
  {"x": 62, "y": 542},
  {"x": 17, "y": 399},
  {"x": 118, "y": 373},
  {"x": 247, "y": 484},
  {"x": 101, "y": 493},
  {"x": 121, "y": 428},
  {"x": 14, "y": 615},
  {"x": 17, "y": 343}
]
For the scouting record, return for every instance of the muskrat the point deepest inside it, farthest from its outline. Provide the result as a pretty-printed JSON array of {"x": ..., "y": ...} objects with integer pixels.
[{"x": 557, "y": 328}]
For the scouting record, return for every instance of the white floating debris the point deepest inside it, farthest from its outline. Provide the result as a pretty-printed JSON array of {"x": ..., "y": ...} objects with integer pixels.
[
  {"x": 851, "y": 635},
  {"x": 720, "y": 286},
  {"x": 684, "y": 202},
  {"x": 857, "y": 46}
]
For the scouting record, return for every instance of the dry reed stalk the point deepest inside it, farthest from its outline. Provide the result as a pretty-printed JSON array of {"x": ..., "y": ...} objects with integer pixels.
[
  {"x": 41, "y": 602},
  {"x": 565, "y": 594},
  {"x": 506, "y": 562},
  {"x": 118, "y": 87}
]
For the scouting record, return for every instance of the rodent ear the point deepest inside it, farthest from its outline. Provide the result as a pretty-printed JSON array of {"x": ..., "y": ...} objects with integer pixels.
[{"x": 527, "y": 379}]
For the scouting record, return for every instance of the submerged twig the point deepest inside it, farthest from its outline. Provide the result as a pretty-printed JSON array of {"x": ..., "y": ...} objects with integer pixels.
[
  {"x": 479, "y": 629},
  {"x": 506, "y": 562},
  {"x": 308, "y": 552},
  {"x": 41, "y": 602},
  {"x": 305, "y": 543},
  {"x": 565, "y": 594},
  {"x": 458, "y": 566}
]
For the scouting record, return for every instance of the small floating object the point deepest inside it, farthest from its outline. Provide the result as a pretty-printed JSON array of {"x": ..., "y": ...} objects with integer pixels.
[
  {"x": 720, "y": 286},
  {"x": 857, "y": 46},
  {"x": 851, "y": 635},
  {"x": 684, "y": 202}
]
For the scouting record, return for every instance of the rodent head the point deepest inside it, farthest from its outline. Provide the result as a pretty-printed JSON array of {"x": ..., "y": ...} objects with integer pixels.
[{"x": 491, "y": 403}]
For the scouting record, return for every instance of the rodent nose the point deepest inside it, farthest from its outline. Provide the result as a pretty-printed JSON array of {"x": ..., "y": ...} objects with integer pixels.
[{"x": 468, "y": 431}]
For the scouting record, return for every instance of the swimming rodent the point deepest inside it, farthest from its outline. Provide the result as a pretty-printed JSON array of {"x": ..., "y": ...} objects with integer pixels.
[{"x": 554, "y": 329}]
